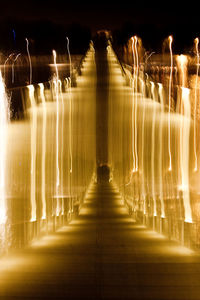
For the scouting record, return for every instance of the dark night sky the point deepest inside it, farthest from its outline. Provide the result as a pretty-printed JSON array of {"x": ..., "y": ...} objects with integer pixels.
[
  {"x": 152, "y": 21},
  {"x": 99, "y": 13}
]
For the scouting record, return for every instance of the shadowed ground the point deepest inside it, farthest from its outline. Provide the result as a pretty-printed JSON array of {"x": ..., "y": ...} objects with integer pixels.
[{"x": 103, "y": 254}]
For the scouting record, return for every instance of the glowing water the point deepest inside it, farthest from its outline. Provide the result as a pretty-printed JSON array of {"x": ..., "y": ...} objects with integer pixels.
[
  {"x": 170, "y": 87},
  {"x": 43, "y": 183},
  {"x": 3, "y": 137},
  {"x": 161, "y": 150},
  {"x": 30, "y": 63},
  {"x": 56, "y": 86},
  {"x": 184, "y": 153},
  {"x": 33, "y": 115},
  {"x": 153, "y": 150},
  {"x": 195, "y": 107},
  {"x": 136, "y": 101}
]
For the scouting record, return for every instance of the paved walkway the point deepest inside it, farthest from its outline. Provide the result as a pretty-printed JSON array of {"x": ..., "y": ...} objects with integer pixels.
[{"x": 103, "y": 254}]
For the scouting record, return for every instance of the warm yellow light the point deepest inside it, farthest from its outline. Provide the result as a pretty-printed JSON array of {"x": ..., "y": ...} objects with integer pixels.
[
  {"x": 184, "y": 151},
  {"x": 57, "y": 132},
  {"x": 31, "y": 90},
  {"x": 29, "y": 58},
  {"x": 57, "y": 121},
  {"x": 43, "y": 161},
  {"x": 182, "y": 62},
  {"x": 196, "y": 41},
  {"x": 170, "y": 38},
  {"x": 3, "y": 133}
]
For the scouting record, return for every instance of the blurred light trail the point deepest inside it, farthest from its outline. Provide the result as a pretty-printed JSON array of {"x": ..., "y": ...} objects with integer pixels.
[
  {"x": 143, "y": 192},
  {"x": 70, "y": 106},
  {"x": 133, "y": 108},
  {"x": 4, "y": 66},
  {"x": 160, "y": 90},
  {"x": 13, "y": 64},
  {"x": 184, "y": 152},
  {"x": 136, "y": 100},
  {"x": 182, "y": 62},
  {"x": 196, "y": 41},
  {"x": 30, "y": 63},
  {"x": 70, "y": 60},
  {"x": 184, "y": 135},
  {"x": 56, "y": 83},
  {"x": 4, "y": 107},
  {"x": 147, "y": 57},
  {"x": 62, "y": 148},
  {"x": 70, "y": 125},
  {"x": 153, "y": 150},
  {"x": 43, "y": 161},
  {"x": 33, "y": 114},
  {"x": 170, "y": 90}
]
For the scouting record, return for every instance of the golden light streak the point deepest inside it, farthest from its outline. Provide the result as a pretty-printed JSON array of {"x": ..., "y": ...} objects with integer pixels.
[
  {"x": 184, "y": 152},
  {"x": 196, "y": 41},
  {"x": 143, "y": 145},
  {"x": 133, "y": 109},
  {"x": 147, "y": 57},
  {"x": 70, "y": 106},
  {"x": 43, "y": 183},
  {"x": 57, "y": 132},
  {"x": 57, "y": 121},
  {"x": 153, "y": 150},
  {"x": 182, "y": 62},
  {"x": 134, "y": 59},
  {"x": 31, "y": 90},
  {"x": 70, "y": 126},
  {"x": 3, "y": 137},
  {"x": 70, "y": 61},
  {"x": 4, "y": 66},
  {"x": 62, "y": 147},
  {"x": 160, "y": 90},
  {"x": 30, "y": 63},
  {"x": 13, "y": 64},
  {"x": 170, "y": 38},
  {"x": 136, "y": 90}
]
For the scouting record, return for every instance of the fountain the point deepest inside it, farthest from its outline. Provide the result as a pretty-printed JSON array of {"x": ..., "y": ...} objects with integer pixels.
[{"x": 4, "y": 118}]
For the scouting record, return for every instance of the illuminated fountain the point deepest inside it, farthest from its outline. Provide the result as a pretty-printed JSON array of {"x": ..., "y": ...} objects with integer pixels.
[
  {"x": 33, "y": 115},
  {"x": 185, "y": 111},
  {"x": 143, "y": 189},
  {"x": 150, "y": 143},
  {"x": 170, "y": 90},
  {"x": 43, "y": 162},
  {"x": 160, "y": 89},
  {"x": 30, "y": 63},
  {"x": 134, "y": 108},
  {"x": 163, "y": 139},
  {"x": 13, "y": 66},
  {"x": 56, "y": 86},
  {"x": 136, "y": 100},
  {"x": 153, "y": 192},
  {"x": 4, "y": 117},
  {"x": 44, "y": 168},
  {"x": 70, "y": 126},
  {"x": 195, "y": 106}
]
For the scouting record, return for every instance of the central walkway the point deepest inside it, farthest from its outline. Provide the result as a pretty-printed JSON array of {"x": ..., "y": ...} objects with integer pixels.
[{"x": 103, "y": 254}]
